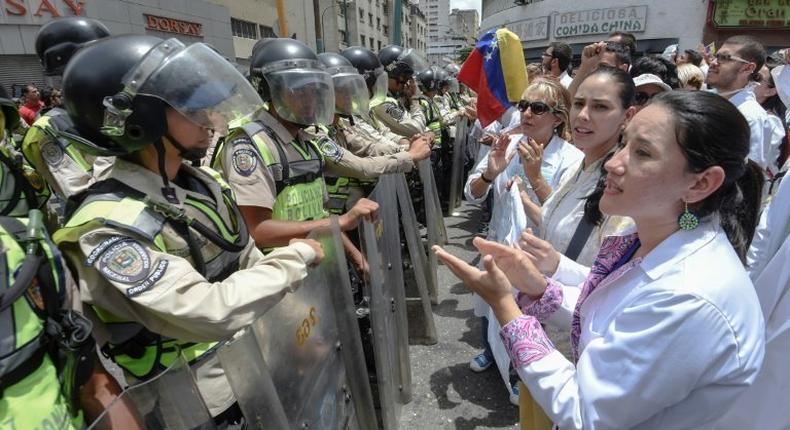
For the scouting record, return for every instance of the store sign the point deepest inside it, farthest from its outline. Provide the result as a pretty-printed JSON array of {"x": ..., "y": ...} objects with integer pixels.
[
  {"x": 50, "y": 8},
  {"x": 530, "y": 29},
  {"x": 172, "y": 25},
  {"x": 752, "y": 13},
  {"x": 631, "y": 19}
]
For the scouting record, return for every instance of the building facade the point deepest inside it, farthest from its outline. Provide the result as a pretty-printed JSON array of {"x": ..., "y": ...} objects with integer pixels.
[
  {"x": 581, "y": 22},
  {"x": 193, "y": 21},
  {"x": 414, "y": 28},
  {"x": 462, "y": 31},
  {"x": 465, "y": 23},
  {"x": 437, "y": 14}
]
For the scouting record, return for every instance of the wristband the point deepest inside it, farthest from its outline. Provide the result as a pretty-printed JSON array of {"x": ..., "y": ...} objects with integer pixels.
[{"x": 486, "y": 180}]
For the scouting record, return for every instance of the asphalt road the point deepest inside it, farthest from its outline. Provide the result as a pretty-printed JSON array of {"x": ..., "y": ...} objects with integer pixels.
[{"x": 447, "y": 394}]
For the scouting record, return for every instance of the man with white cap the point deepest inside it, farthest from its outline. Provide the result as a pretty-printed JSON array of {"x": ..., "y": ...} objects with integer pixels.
[{"x": 647, "y": 86}]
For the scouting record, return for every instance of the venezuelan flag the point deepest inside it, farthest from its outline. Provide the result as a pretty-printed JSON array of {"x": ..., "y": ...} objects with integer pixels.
[{"x": 496, "y": 71}]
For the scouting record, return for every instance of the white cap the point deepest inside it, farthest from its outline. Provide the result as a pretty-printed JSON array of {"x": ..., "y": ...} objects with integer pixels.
[{"x": 649, "y": 78}]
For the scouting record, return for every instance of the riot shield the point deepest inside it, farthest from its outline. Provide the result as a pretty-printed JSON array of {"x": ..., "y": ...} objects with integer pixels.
[
  {"x": 170, "y": 400},
  {"x": 457, "y": 170},
  {"x": 301, "y": 364},
  {"x": 434, "y": 217},
  {"x": 385, "y": 195},
  {"x": 384, "y": 324},
  {"x": 422, "y": 329}
]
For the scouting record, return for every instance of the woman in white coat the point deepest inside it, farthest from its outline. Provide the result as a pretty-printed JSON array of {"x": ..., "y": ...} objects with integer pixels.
[
  {"x": 544, "y": 108},
  {"x": 667, "y": 330}
]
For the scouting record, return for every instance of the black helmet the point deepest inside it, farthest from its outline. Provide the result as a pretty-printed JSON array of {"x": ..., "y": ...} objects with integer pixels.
[
  {"x": 428, "y": 80},
  {"x": 389, "y": 57},
  {"x": 442, "y": 76},
  {"x": 366, "y": 62},
  {"x": 288, "y": 74},
  {"x": 9, "y": 110},
  {"x": 58, "y": 40},
  {"x": 400, "y": 62},
  {"x": 352, "y": 96},
  {"x": 97, "y": 72},
  {"x": 270, "y": 50}
]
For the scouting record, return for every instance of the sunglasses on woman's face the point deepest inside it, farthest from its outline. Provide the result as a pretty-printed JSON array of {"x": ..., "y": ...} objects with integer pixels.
[{"x": 537, "y": 108}]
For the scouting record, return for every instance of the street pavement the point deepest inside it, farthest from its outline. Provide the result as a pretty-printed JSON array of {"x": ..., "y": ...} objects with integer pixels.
[{"x": 447, "y": 394}]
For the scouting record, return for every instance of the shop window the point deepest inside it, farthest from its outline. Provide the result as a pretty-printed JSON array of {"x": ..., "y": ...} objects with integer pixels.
[{"x": 245, "y": 29}]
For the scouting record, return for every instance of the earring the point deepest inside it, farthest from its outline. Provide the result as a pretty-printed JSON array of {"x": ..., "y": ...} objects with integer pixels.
[{"x": 688, "y": 220}]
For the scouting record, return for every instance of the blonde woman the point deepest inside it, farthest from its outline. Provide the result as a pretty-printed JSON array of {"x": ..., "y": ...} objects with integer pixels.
[{"x": 691, "y": 77}]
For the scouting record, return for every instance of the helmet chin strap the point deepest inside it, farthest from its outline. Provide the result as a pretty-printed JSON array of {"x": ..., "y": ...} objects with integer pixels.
[
  {"x": 191, "y": 155},
  {"x": 167, "y": 191}
]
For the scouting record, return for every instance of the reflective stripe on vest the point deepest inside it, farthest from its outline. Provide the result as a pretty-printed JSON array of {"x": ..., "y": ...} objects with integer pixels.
[
  {"x": 433, "y": 119},
  {"x": 138, "y": 351},
  {"x": 36, "y": 401},
  {"x": 300, "y": 190}
]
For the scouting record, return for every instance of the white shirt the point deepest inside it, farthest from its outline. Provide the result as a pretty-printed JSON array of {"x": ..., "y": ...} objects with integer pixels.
[
  {"x": 668, "y": 343},
  {"x": 565, "y": 79},
  {"x": 763, "y": 405},
  {"x": 767, "y": 131}
]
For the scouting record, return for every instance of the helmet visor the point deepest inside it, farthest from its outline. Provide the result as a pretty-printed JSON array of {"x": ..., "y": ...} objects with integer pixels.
[
  {"x": 351, "y": 92},
  {"x": 303, "y": 95},
  {"x": 454, "y": 86},
  {"x": 417, "y": 63},
  {"x": 379, "y": 90},
  {"x": 197, "y": 82}
]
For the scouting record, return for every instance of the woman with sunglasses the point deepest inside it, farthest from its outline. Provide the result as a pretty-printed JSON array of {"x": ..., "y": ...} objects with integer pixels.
[
  {"x": 666, "y": 331},
  {"x": 537, "y": 150},
  {"x": 570, "y": 224}
]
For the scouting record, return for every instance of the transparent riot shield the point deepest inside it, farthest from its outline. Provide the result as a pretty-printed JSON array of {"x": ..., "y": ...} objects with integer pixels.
[
  {"x": 301, "y": 364},
  {"x": 457, "y": 170},
  {"x": 170, "y": 400},
  {"x": 384, "y": 325},
  {"x": 434, "y": 225},
  {"x": 385, "y": 194},
  {"x": 422, "y": 329}
]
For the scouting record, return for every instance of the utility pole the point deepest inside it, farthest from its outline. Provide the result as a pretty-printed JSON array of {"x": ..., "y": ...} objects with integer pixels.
[
  {"x": 345, "y": 21},
  {"x": 397, "y": 16},
  {"x": 281, "y": 17},
  {"x": 318, "y": 22}
]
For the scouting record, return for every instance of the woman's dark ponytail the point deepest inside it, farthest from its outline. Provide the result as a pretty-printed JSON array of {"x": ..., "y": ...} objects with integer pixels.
[
  {"x": 712, "y": 132},
  {"x": 739, "y": 208}
]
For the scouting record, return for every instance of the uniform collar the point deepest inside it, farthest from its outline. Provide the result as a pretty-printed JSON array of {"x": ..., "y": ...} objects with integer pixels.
[{"x": 678, "y": 246}]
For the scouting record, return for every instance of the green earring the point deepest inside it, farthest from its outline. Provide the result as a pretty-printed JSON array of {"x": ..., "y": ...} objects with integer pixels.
[{"x": 688, "y": 220}]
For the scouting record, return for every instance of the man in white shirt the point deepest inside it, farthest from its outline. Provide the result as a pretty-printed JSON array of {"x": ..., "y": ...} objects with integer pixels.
[
  {"x": 732, "y": 72},
  {"x": 556, "y": 62}
]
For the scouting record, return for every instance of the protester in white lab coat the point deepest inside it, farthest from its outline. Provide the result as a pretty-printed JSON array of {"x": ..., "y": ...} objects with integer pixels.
[
  {"x": 763, "y": 405},
  {"x": 540, "y": 138},
  {"x": 570, "y": 226},
  {"x": 667, "y": 330}
]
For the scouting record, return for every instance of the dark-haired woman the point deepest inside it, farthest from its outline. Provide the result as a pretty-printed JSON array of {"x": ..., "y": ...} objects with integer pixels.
[
  {"x": 570, "y": 225},
  {"x": 667, "y": 330}
]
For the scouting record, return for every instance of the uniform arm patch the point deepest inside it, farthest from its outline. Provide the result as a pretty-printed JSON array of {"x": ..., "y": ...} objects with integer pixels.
[
  {"x": 331, "y": 149},
  {"x": 122, "y": 260},
  {"x": 52, "y": 153},
  {"x": 150, "y": 281},
  {"x": 395, "y": 112},
  {"x": 244, "y": 159}
]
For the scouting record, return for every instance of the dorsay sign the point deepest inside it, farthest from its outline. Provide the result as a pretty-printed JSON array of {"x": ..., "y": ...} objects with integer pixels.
[
  {"x": 45, "y": 8},
  {"x": 172, "y": 25}
]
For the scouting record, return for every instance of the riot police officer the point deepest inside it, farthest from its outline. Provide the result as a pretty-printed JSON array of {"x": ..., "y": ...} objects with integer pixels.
[
  {"x": 48, "y": 144},
  {"x": 274, "y": 167},
  {"x": 165, "y": 262},
  {"x": 400, "y": 111},
  {"x": 46, "y": 381},
  {"x": 346, "y": 173}
]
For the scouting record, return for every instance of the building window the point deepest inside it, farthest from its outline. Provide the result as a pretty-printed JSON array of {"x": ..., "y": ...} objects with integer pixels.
[
  {"x": 342, "y": 34},
  {"x": 243, "y": 29},
  {"x": 267, "y": 31},
  {"x": 379, "y": 45},
  {"x": 361, "y": 15},
  {"x": 370, "y": 19},
  {"x": 386, "y": 31},
  {"x": 378, "y": 23},
  {"x": 372, "y": 45}
]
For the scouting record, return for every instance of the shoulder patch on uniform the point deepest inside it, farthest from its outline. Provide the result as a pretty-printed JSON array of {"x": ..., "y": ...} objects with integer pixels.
[
  {"x": 52, "y": 153},
  {"x": 244, "y": 161},
  {"x": 395, "y": 111},
  {"x": 125, "y": 261},
  {"x": 99, "y": 250},
  {"x": 330, "y": 149},
  {"x": 150, "y": 281}
]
